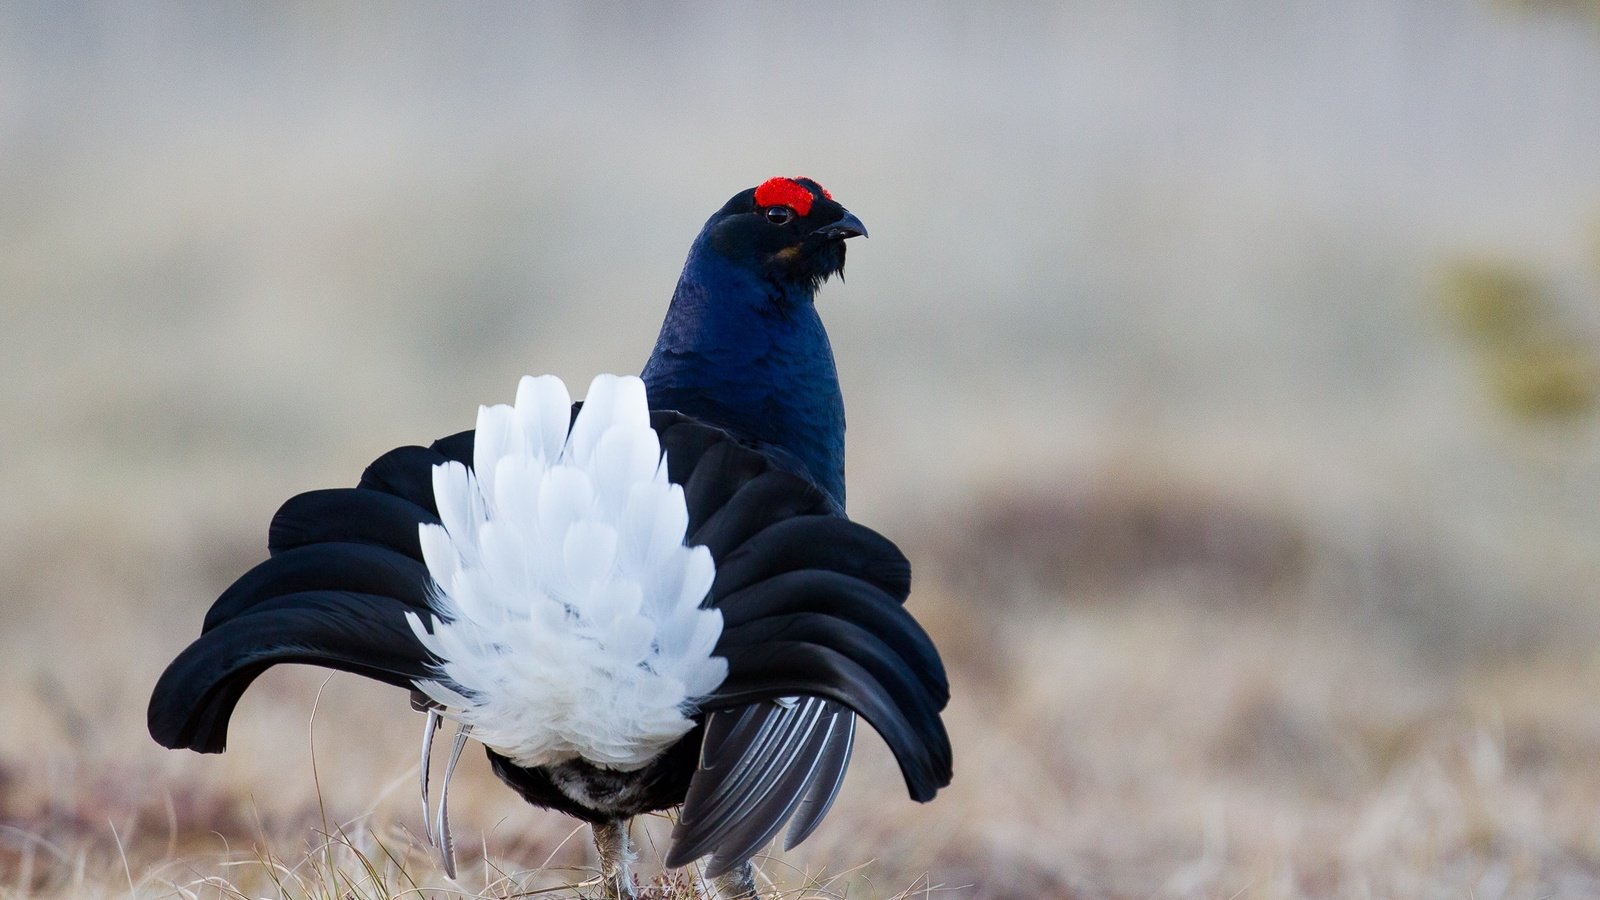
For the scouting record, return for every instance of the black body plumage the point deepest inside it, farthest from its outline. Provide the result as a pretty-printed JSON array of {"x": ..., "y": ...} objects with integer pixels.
[{"x": 814, "y": 627}]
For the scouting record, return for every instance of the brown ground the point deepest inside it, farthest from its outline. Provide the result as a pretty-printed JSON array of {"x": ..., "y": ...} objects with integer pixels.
[{"x": 1178, "y": 701}]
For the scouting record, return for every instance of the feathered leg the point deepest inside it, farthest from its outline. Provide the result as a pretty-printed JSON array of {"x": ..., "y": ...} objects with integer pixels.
[
  {"x": 616, "y": 859},
  {"x": 739, "y": 883}
]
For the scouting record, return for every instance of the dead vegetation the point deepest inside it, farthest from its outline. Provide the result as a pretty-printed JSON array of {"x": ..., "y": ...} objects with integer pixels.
[{"x": 1210, "y": 728}]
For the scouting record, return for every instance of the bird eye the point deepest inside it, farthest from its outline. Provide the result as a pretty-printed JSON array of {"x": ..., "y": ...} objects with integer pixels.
[{"x": 779, "y": 215}]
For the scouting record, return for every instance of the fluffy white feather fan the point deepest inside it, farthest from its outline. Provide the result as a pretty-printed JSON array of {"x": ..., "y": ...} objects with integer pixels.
[{"x": 568, "y": 617}]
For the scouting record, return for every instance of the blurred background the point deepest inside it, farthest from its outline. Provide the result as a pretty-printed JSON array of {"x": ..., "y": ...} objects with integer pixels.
[{"x": 1230, "y": 372}]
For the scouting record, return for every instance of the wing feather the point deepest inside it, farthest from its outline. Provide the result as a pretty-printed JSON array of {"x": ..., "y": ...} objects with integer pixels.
[
  {"x": 764, "y": 760},
  {"x": 791, "y": 668},
  {"x": 827, "y": 779}
]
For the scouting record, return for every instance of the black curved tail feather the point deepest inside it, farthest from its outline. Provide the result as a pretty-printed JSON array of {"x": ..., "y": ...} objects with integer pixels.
[
  {"x": 353, "y": 515},
  {"x": 328, "y": 566},
  {"x": 843, "y": 599},
  {"x": 407, "y": 472},
  {"x": 345, "y": 568},
  {"x": 816, "y": 542},
  {"x": 360, "y": 633}
]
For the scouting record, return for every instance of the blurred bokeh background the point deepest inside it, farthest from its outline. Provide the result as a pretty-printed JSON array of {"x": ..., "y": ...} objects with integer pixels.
[{"x": 1230, "y": 371}]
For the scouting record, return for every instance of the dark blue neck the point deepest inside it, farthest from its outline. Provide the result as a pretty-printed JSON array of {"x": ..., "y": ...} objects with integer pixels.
[{"x": 743, "y": 352}]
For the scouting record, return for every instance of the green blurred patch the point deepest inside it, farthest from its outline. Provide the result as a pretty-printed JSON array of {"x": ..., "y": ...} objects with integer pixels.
[
  {"x": 1550, "y": 380},
  {"x": 1534, "y": 361},
  {"x": 1586, "y": 8}
]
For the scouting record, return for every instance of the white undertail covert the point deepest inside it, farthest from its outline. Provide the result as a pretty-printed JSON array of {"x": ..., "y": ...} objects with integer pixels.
[{"x": 567, "y": 607}]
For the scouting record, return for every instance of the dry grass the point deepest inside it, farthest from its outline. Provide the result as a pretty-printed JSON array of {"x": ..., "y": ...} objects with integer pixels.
[{"x": 1189, "y": 727}]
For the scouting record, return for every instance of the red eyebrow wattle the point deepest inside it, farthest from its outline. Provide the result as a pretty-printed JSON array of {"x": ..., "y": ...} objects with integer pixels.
[{"x": 785, "y": 192}]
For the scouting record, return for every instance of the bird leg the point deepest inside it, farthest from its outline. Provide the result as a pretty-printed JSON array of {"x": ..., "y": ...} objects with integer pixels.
[
  {"x": 739, "y": 883},
  {"x": 427, "y": 758},
  {"x": 616, "y": 859},
  {"x": 438, "y": 832}
]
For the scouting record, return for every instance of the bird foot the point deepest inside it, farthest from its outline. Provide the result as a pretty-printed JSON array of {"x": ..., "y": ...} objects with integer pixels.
[{"x": 738, "y": 884}]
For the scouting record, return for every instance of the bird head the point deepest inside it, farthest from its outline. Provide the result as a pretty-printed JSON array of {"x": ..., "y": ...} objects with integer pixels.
[{"x": 790, "y": 229}]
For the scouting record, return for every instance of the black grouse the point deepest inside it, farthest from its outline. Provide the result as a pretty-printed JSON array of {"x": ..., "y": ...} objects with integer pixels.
[{"x": 648, "y": 599}]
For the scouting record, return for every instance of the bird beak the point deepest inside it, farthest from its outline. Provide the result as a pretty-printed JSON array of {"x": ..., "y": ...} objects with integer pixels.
[{"x": 847, "y": 227}]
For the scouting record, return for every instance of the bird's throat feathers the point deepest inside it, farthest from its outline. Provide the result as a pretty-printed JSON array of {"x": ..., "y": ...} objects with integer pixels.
[{"x": 747, "y": 352}]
